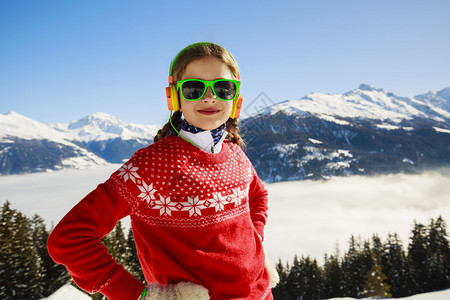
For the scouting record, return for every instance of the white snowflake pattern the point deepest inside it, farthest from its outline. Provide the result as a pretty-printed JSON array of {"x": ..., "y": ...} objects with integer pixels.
[
  {"x": 194, "y": 206},
  {"x": 129, "y": 172},
  {"x": 218, "y": 201},
  {"x": 165, "y": 206},
  {"x": 238, "y": 195},
  {"x": 147, "y": 192}
]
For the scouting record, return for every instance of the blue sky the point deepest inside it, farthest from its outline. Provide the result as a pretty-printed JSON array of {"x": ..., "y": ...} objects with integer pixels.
[{"x": 62, "y": 60}]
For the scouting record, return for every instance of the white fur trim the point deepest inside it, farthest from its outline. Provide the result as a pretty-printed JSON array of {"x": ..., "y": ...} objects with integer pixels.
[
  {"x": 179, "y": 291},
  {"x": 273, "y": 274}
]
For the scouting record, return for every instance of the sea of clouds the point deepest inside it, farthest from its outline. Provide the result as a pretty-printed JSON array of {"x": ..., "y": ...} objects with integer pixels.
[{"x": 305, "y": 217}]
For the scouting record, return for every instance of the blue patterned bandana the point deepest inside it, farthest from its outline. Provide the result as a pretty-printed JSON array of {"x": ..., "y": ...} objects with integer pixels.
[{"x": 216, "y": 133}]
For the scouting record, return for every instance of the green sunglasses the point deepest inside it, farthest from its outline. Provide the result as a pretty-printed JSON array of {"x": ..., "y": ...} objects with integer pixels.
[{"x": 195, "y": 89}]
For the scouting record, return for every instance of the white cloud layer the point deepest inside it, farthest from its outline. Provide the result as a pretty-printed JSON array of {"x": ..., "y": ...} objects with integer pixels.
[
  {"x": 305, "y": 217},
  {"x": 309, "y": 217}
]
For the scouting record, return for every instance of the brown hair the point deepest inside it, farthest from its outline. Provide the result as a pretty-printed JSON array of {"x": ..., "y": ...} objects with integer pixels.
[{"x": 184, "y": 59}]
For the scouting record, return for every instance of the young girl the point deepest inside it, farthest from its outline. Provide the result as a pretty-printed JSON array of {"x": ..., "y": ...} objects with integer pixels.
[{"x": 197, "y": 206}]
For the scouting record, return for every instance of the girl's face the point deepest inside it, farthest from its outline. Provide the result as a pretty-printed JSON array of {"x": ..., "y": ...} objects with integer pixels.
[{"x": 207, "y": 113}]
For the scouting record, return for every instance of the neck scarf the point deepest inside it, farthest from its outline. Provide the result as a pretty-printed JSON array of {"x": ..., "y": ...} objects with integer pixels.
[{"x": 215, "y": 133}]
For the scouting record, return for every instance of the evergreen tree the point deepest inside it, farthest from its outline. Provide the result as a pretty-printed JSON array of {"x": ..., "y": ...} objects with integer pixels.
[
  {"x": 304, "y": 279},
  {"x": 395, "y": 266},
  {"x": 6, "y": 264},
  {"x": 418, "y": 259},
  {"x": 132, "y": 263},
  {"x": 375, "y": 285},
  {"x": 294, "y": 280},
  {"x": 332, "y": 284},
  {"x": 311, "y": 277},
  {"x": 439, "y": 255},
  {"x": 280, "y": 292},
  {"x": 20, "y": 265},
  {"x": 378, "y": 248},
  {"x": 355, "y": 265},
  {"x": 118, "y": 247}
]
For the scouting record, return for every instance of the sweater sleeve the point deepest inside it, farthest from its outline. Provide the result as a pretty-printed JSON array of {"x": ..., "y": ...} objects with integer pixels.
[
  {"x": 258, "y": 202},
  {"x": 76, "y": 243}
]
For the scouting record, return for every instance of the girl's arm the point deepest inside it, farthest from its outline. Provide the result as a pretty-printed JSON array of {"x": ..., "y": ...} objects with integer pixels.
[
  {"x": 76, "y": 243},
  {"x": 258, "y": 203}
]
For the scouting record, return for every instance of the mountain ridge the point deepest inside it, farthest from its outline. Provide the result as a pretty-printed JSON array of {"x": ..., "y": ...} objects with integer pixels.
[
  {"x": 364, "y": 131},
  {"x": 27, "y": 145}
]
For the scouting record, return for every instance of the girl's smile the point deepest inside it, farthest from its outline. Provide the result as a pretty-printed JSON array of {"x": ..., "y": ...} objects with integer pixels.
[{"x": 208, "y": 113}]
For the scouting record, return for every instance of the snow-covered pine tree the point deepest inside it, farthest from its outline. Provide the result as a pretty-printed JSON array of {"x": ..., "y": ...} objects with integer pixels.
[
  {"x": 355, "y": 265},
  {"x": 6, "y": 236},
  {"x": 311, "y": 278},
  {"x": 418, "y": 258},
  {"x": 294, "y": 280},
  {"x": 376, "y": 285},
  {"x": 132, "y": 264},
  {"x": 332, "y": 284},
  {"x": 20, "y": 264},
  {"x": 395, "y": 266},
  {"x": 280, "y": 292},
  {"x": 439, "y": 255},
  {"x": 304, "y": 279},
  {"x": 119, "y": 247}
]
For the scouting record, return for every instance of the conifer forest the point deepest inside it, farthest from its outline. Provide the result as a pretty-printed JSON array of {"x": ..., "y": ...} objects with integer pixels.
[{"x": 368, "y": 268}]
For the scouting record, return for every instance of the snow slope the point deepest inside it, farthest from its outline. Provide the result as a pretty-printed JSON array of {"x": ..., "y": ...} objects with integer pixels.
[
  {"x": 439, "y": 295},
  {"x": 68, "y": 292},
  {"x": 13, "y": 124}
]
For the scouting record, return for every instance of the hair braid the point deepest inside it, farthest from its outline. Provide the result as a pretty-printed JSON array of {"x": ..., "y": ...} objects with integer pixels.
[
  {"x": 232, "y": 127},
  {"x": 167, "y": 128}
]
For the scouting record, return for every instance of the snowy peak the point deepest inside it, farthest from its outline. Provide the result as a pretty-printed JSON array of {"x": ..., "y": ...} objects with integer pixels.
[
  {"x": 440, "y": 99},
  {"x": 101, "y": 120},
  {"x": 101, "y": 126},
  {"x": 366, "y": 87},
  {"x": 13, "y": 124},
  {"x": 367, "y": 102}
]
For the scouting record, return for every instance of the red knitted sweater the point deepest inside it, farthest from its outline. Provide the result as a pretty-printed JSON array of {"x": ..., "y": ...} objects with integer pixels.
[{"x": 196, "y": 217}]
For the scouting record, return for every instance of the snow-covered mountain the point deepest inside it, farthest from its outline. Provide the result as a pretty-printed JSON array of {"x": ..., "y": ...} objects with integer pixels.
[
  {"x": 107, "y": 136},
  {"x": 101, "y": 126},
  {"x": 369, "y": 103},
  {"x": 30, "y": 146},
  {"x": 363, "y": 131}
]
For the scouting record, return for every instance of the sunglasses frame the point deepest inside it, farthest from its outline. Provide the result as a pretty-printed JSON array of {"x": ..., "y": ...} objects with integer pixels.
[{"x": 208, "y": 83}]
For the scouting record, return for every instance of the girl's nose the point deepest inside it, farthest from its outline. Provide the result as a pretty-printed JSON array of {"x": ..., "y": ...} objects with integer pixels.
[{"x": 209, "y": 95}]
